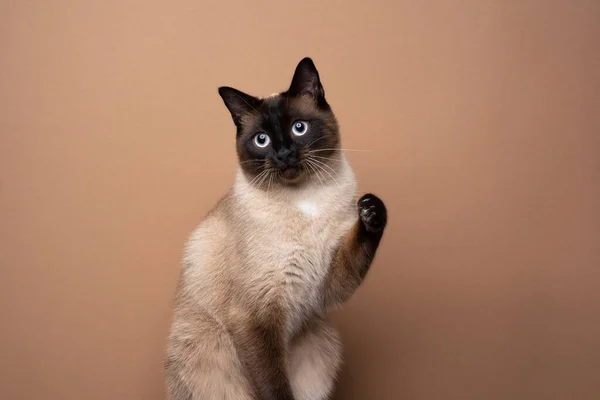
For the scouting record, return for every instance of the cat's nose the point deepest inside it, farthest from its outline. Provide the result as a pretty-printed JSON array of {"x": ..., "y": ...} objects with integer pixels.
[
  {"x": 285, "y": 158},
  {"x": 284, "y": 154}
]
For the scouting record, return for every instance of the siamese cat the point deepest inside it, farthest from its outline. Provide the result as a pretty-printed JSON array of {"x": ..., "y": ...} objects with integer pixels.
[{"x": 288, "y": 243}]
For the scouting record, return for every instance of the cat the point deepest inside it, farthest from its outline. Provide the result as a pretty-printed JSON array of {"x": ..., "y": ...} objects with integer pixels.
[{"x": 288, "y": 243}]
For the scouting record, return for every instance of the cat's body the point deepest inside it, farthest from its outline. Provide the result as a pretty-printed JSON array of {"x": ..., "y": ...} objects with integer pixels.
[
  {"x": 285, "y": 267},
  {"x": 260, "y": 274}
]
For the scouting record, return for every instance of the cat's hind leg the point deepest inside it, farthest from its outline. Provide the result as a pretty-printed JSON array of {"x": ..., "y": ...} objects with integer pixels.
[
  {"x": 202, "y": 362},
  {"x": 315, "y": 358}
]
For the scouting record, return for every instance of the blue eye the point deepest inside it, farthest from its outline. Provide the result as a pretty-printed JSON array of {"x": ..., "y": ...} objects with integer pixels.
[
  {"x": 262, "y": 140},
  {"x": 299, "y": 128}
]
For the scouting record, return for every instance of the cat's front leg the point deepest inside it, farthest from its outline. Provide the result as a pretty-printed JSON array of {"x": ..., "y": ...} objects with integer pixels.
[{"x": 355, "y": 253}]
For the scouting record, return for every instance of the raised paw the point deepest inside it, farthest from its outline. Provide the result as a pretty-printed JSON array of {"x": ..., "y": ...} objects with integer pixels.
[{"x": 372, "y": 213}]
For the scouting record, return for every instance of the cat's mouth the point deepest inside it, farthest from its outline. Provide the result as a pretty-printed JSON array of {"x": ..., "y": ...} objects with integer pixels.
[{"x": 291, "y": 174}]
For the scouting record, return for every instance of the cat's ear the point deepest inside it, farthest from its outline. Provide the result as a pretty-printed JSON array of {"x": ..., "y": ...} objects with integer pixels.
[
  {"x": 238, "y": 103},
  {"x": 306, "y": 81}
]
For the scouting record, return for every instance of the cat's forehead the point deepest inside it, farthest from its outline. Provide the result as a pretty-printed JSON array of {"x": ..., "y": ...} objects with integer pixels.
[
  {"x": 272, "y": 108},
  {"x": 283, "y": 104},
  {"x": 273, "y": 101},
  {"x": 281, "y": 107}
]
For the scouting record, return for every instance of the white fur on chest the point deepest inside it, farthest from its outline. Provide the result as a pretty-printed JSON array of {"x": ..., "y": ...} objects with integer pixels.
[{"x": 309, "y": 208}]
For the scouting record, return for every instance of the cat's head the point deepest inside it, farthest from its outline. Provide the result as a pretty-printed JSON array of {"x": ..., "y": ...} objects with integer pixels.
[{"x": 289, "y": 138}]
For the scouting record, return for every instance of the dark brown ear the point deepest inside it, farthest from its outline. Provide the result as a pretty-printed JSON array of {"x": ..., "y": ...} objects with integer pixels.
[
  {"x": 306, "y": 81},
  {"x": 238, "y": 103}
]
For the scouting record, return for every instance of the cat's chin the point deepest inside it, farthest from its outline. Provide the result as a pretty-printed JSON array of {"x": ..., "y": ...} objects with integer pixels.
[{"x": 291, "y": 175}]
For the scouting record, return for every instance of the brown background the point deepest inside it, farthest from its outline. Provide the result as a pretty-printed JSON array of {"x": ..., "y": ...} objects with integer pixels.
[{"x": 483, "y": 123}]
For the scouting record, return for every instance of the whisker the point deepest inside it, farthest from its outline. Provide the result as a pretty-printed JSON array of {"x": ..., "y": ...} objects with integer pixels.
[
  {"x": 250, "y": 161},
  {"x": 327, "y": 166},
  {"x": 269, "y": 173},
  {"x": 366, "y": 151},
  {"x": 270, "y": 181},
  {"x": 256, "y": 178},
  {"x": 315, "y": 141},
  {"x": 324, "y": 170},
  {"x": 251, "y": 181},
  {"x": 316, "y": 173},
  {"x": 324, "y": 158},
  {"x": 318, "y": 170}
]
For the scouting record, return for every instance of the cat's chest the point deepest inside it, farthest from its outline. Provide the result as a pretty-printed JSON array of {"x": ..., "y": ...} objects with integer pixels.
[
  {"x": 294, "y": 241},
  {"x": 301, "y": 243},
  {"x": 305, "y": 259},
  {"x": 304, "y": 223},
  {"x": 309, "y": 208}
]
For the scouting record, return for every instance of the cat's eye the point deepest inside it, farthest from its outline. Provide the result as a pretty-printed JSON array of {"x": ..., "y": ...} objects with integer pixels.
[
  {"x": 299, "y": 128},
  {"x": 262, "y": 140}
]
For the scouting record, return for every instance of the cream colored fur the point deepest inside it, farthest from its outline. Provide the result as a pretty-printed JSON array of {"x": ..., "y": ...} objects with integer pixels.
[{"x": 288, "y": 236}]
